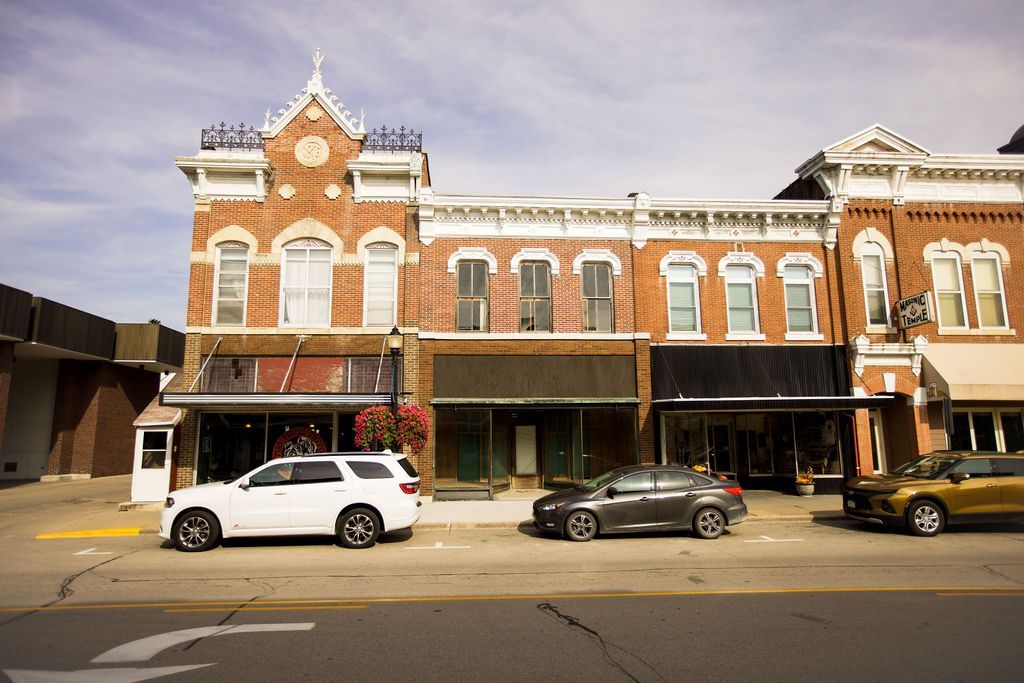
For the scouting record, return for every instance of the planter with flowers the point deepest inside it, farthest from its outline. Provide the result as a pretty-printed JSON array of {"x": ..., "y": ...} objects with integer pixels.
[
  {"x": 377, "y": 427},
  {"x": 805, "y": 483}
]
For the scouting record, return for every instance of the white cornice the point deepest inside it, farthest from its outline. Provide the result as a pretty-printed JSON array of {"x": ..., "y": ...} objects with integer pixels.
[
  {"x": 386, "y": 176},
  {"x": 863, "y": 353},
  {"x": 234, "y": 176},
  {"x": 637, "y": 219}
]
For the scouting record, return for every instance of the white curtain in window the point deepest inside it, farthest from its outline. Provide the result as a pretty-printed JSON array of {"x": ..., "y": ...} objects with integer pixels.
[
  {"x": 989, "y": 288},
  {"x": 799, "y": 299},
  {"x": 381, "y": 272},
  {"x": 947, "y": 286},
  {"x": 740, "y": 295},
  {"x": 306, "y": 286},
  {"x": 682, "y": 299}
]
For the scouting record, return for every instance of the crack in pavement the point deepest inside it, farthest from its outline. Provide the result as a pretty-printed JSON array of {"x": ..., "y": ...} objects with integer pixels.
[
  {"x": 269, "y": 590},
  {"x": 992, "y": 570},
  {"x": 605, "y": 647},
  {"x": 65, "y": 591}
]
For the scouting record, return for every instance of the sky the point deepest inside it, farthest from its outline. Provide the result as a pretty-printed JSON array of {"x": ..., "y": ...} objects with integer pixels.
[{"x": 679, "y": 99}]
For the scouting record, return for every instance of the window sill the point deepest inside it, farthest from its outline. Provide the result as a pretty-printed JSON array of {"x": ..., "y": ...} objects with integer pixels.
[
  {"x": 685, "y": 336},
  {"x": 880, "y": 329},
  {"x": 804, "y": 336},
  {"x": 744, "y": 336},
  {"x": 995, "y": 332}
]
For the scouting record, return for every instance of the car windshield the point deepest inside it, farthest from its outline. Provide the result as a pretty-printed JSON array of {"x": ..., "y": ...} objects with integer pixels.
[
  {"x": 927, "y": 466},
  {"x": 600, "y": 480}
]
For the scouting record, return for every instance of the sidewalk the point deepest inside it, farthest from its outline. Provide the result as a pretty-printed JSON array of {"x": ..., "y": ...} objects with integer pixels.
[{"x": 53, "y": 507}]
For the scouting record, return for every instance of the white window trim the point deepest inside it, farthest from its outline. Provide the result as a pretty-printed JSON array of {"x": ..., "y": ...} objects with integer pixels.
[
  {"x": 611, "y": 294},
  {"x": 597, "y": 256},
  {"x": 683, "y": 258},
  {"x": 871, "y": 236},
  {"x": 804, "y": 259},
  {"x": 875, "y": 249},
  {"x": 990, "y": 256},
  {"x": 535, "y": 254},
  {"x": 330, "y": 285},
  {"x": 679, "y": 335},
  {"x": 954, "y": 256},
  {"x": 216, "y": 282},
  {"x": 394, "y": 248},
  {"x": 741, "y": 258},
  {"x": 473, "y": 254},
  {"x": 751, "y": 335}
]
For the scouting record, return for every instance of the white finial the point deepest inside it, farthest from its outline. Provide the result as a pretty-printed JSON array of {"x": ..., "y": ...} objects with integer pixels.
[
  {"x": 317, "y": 61},
  {"x": 266, "y": 119}
]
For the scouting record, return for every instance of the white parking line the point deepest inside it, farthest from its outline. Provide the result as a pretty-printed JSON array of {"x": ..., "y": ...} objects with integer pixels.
[
  {"x": 145, "y": 649},
  {"x": 769, "y": 539},
  {"x": 436, "y": 546},
  {"x": 92, "y": 551}
]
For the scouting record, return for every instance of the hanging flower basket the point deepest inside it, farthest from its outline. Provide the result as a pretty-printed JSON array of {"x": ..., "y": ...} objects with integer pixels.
[{"x": 378, "y": 428}]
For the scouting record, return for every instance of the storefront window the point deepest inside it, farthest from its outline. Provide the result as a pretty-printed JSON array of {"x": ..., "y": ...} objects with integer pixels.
[
  {"x": 1013, "y": 431},
  {"x": 817, "y": 442},
  {"x": 230, "y": 444},
  {"x": 984, "y": 431},
  {"x": 608, "y": 441},
  {"x": 292, "y": 435},
  {"x": 685, "y": 439},
  {"x": 462, "y": 448},
  {"x": 960, "y": 439},
  {"x": 499, "y": 448},
  {"x": 557, "y": 446},
  {"x": 752, "y": 451}
]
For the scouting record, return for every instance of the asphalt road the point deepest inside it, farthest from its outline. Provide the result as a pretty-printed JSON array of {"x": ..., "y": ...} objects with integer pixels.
[{"x": 766, "y": 602}]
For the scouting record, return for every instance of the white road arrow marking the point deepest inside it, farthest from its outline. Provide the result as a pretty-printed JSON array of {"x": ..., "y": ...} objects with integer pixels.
[
  {"x": 769, "y": 539},
  {"x": 145, "y": 649},
  {"x": 96, "y": 675},
  {"x": 92, "y": 551},
  {"x": 436, "y": 546}
]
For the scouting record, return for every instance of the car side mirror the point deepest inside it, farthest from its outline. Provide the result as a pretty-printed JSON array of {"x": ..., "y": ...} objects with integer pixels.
[
  {"x": 958, "y": 477},
  {"x": 244, "y": 485},
  {"x": 612, "y": 492}
]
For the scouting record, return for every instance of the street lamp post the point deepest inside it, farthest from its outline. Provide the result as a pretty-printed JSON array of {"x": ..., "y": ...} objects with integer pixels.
[{"x": 395, "y": 340}]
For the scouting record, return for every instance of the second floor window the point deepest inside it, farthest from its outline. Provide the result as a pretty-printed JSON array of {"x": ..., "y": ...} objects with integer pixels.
[
  {"x": 876, "y": 295},
  {"x": 232, "y": 278},
  {"x": 741, "y": 299},
  {"x": 597, "y": 297},
  {"x": 988, "y": 288},
  {"x": 683, "y": 312},
  {"x": 306, "y": 284},
  {"x": 471, "y": 297},
  {"x": 381, "y": 285},
  {"x": 799, "y": 284},
  {"x": 949, "y": 290},
  {"x": 534, "y": 297}
]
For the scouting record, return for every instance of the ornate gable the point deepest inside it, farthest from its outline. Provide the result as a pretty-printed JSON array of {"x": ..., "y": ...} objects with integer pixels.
[
  {"x": 876, "y": 139},
  {"x": 315, "y": 90}
]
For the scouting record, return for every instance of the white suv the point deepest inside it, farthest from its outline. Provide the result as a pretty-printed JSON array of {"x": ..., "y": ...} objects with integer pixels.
[{"x": 354, "y": 495}]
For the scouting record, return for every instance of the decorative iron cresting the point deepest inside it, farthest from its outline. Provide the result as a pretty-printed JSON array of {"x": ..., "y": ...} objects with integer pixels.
[
  {"x": 231, "y": 137},
  {"x": 394, "y": 140}
]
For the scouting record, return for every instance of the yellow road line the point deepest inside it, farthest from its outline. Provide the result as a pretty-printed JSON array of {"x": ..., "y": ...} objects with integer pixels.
[
  {"x": 982, "y": 595},
  {"x": 237, "y": 604},
  {"x": 89, "y": 533},
  {"x": 264, "y": 609}
]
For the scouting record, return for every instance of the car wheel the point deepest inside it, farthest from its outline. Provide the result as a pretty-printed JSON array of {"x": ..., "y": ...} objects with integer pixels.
[
  {"x": 580, "y": 526},
  {"x": 195, "y": 531},
  {"x": 708, "y": 523},
  {"x": 358, "y": 528},
  {"x": 925, "y": 518}
]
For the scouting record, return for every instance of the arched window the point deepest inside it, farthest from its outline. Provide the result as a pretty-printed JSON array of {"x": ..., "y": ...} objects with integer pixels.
[
  {"x": 534, "y": 296},
  {"x": 306, "y": 284},
  {"x": 801, "y": 316},
  {"x": 986, "y": 269},
  {"x": 683, "y": 298},
  {"x": 741, "y": 299},
  {"x": 471, "y": 296},
  {"x": 876, "y": 291},
  {"x": 231, "y": 283},
  {"x": 597, "y": 297},
  {"x": 947, "y": 275},
  {"x": 380, "y": 285}
]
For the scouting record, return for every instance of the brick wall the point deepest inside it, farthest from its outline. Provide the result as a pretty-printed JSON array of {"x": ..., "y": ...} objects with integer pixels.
[{"x": 95, "y": 406}]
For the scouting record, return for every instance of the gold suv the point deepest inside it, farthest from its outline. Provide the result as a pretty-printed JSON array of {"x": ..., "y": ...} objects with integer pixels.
[{"x": 946, "y": 486}]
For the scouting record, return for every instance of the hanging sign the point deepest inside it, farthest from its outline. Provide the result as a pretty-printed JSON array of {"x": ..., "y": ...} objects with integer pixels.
[{"x": 915, "y": 310}]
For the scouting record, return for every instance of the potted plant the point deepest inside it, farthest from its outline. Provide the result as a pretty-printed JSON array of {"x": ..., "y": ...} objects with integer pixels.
[
  {"x": 378, "y": 427},
  {"x": 805, "y": 483}
]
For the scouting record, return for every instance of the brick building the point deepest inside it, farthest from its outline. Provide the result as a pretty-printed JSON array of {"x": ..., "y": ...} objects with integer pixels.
[
  {"x": 71, "y": 385},
  {"x": 554, "y": 338}
]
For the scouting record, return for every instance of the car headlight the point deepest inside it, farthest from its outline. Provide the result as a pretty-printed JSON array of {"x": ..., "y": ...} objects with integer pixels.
[
  {"x": 552, "y": 506},
  {"x": 169, "y": 503}
]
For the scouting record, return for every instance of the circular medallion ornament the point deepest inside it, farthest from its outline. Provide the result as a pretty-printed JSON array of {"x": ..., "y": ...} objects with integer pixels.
[
  {"x": 287, "y": 191},
  {"x": 314, "y": 113},
  {"x": 311, "y": 151},
  {"x": 332, "y": 191},
  {"x": 298, "y": 441}
]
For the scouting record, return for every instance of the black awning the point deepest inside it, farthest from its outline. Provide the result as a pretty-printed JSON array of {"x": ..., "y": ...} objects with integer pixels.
[
  {"x": 741, "y": 372},
  {"x": 774, "y": 403}
]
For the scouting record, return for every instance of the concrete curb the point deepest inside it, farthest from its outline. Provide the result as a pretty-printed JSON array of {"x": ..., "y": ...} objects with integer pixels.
[{"x": 509, "y": 524}]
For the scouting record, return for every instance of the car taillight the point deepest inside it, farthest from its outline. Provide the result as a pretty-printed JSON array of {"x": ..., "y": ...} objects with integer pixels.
[
  {"x": 410, "y": 488},
  {"x": 734, "y": 490}
]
